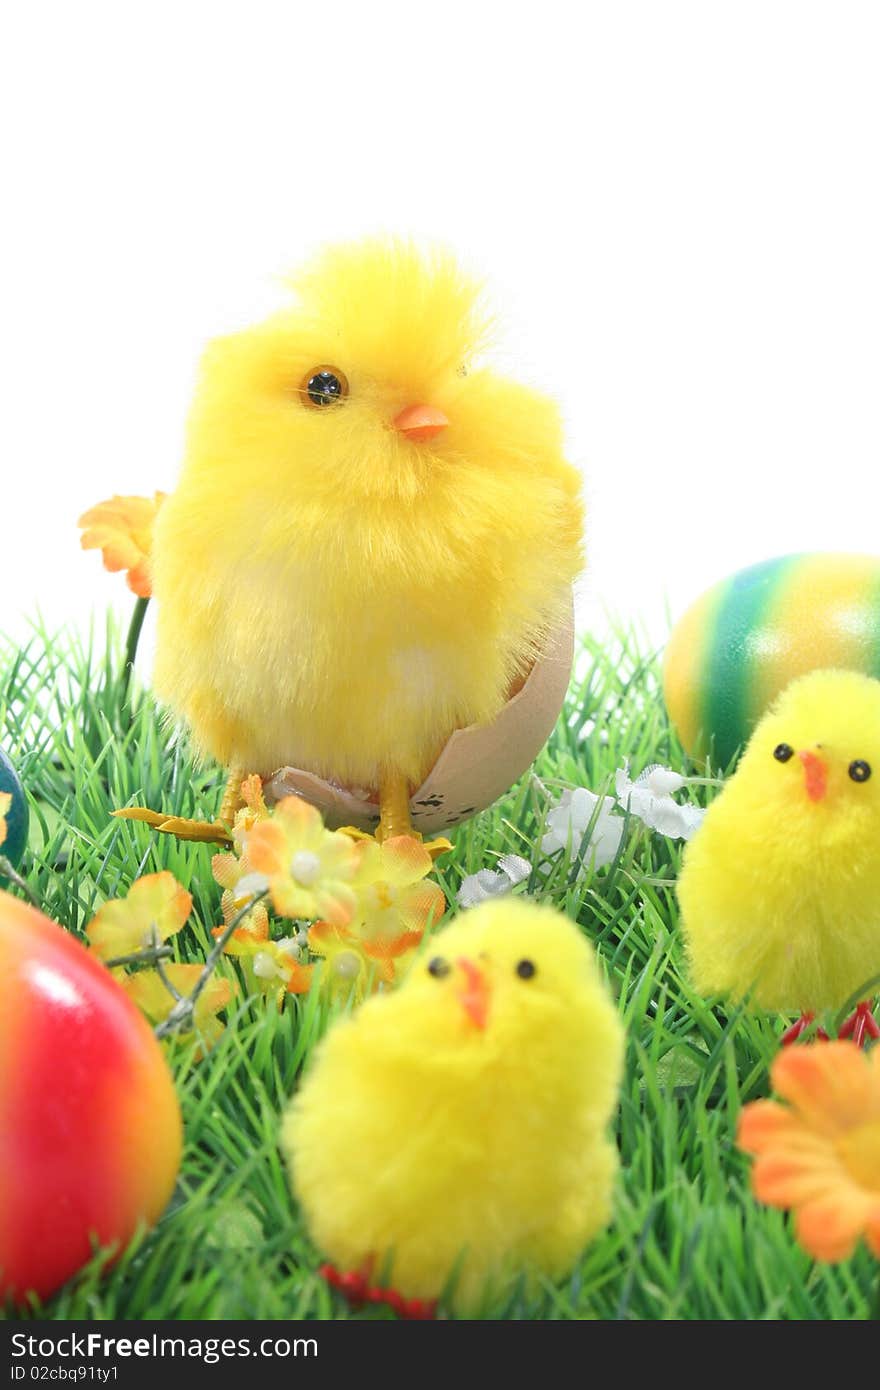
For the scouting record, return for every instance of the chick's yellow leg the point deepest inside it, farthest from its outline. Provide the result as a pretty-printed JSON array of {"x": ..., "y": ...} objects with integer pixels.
[
  {"x": 232, "y": 798},
  {"x": 394, "y": 818}
]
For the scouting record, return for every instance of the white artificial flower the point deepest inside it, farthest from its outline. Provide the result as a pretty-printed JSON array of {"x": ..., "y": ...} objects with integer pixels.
[
  {"x": 569, "y": 821},
  {"x": 476, "y": 888},
  {"x": 649, "y": 798},
  {"x": 248, "y": 886}
]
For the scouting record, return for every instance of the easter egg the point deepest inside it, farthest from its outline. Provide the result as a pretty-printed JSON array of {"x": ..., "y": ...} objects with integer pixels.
[
  {"x": 17, "y": 817},
  {"x": 745, "y": 639},
  {"x": 477, "y": 765},
  {"x": 90, "y": 1127}
]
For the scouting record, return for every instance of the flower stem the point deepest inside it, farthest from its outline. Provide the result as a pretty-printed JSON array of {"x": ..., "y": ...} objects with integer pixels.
[
  {"x": 182, "y": 1015},
  {"x": 131, "y": 643},
  {"x": 151, "y": 956}
]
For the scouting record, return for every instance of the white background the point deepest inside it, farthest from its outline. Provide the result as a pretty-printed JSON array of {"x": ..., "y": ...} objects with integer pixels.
[{"x": 677, "y": 206}]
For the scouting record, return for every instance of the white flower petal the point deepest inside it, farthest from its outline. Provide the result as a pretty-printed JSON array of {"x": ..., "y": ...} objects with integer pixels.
[
  {"x": 515, "y": 868},
  {"x": 660, "y": 781},
  {"x": 649, "y": 799},
  {"x": 265, "y": 967},
  {"x": 570, "y": 820},
  {"x": 476, "y": 888},
  {"x": 248, "y": 886}
]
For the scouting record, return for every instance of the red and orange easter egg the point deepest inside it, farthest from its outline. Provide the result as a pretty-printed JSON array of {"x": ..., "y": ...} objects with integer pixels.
[
  {"x": 747, "y": 638},
  {"x": 90, "y": 1126}
]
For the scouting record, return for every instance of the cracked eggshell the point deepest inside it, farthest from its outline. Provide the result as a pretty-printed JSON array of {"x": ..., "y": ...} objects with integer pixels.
[{"x": 477, "y": 765}]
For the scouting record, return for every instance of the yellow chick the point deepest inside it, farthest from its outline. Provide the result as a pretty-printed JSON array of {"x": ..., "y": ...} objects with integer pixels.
[
  {"x": 373, "y": 532},
  {"x": 458, "y": 1125},
  {"x": 780, "y": 889}
]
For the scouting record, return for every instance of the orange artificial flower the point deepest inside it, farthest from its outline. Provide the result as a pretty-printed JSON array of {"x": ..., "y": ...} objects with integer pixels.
[
  {"x": 5, "y": 803},
  {"x": 348, "y": 968},
  {"x": 155, "y": 908},
  {"x": 307, "y": 869},
  {"x": 819, "y": 1155},
  {"x": 147, "y": 990},
  {"x": 394, "y": 902},
  {"x": 122, "y": 529},
  {"x": 269, "y": 965}
]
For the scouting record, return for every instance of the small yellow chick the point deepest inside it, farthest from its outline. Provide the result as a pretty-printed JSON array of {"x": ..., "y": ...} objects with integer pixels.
[
  {"x": 780, "y": 889},
  {"x": 458, "y": 1125},
  {"x": 373, "y": 532}
]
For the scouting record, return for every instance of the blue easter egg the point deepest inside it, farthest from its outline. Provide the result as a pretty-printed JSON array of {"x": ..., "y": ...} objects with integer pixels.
[{"x": 18, "y": 816}]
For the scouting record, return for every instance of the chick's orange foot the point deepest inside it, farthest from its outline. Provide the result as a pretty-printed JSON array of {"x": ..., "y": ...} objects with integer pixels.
[
  {"x": 201, "y": 831},
  {"x": 797, "y": 1031},
  {"x": 355, "y": 1286},
  {"x": 860, "y": 1025}
]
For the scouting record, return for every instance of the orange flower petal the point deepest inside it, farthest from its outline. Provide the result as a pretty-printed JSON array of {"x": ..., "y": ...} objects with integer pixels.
[
  {"x": 119, "y": 551},
  {"x": 252, "y": 793},
  {"x": 872, "y": 1227},
  {"x": 764, "y": 1122},
  {"x": 324, "y": 934},
  {"x": 388, "y": 949},
  {"x": 336, "y": 904},
  {"x": 140, "y": 579},
  {"x": 404, "y": 860},
  {"x": 828, "y": 1083},
  {"x": 299, "y": 817},
  {"x": 783, "y": 1181},
  {"x": 226, "y": 870},
  {"x": 829, "y": 1227},
  {"x": 423, "y": 905},
  {"x": 266, "y": 848},
  {"x": 300, "y": 981}
]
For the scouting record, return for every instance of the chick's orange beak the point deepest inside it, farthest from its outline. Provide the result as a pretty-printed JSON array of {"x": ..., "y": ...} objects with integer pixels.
[
  {"x": 815, "y": 774},
  {"x": 474, "y": 998},
  {"x": 420, "y": 422}
]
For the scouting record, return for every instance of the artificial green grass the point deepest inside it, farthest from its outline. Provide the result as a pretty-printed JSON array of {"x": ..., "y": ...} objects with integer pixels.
[{"x": 687, "y": 1240}]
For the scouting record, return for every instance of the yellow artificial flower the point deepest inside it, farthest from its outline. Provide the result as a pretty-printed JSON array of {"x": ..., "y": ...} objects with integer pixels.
[
  {"x": 819, "y": 1155},
  {"x": 395, "y": 903},
  {"x": 147, "y": 989},
  {"x": 5, "y": 803},
  {"x": 307, "y": 869},
  {"x": 253, "y": 810},
  {"x": 122, "y": 529},
  {"x": 269, "y": 964},
  {"x": 348, "y": 969},
  {"x": 230, "y": 870},
  {"x": 155, "y": 908}
]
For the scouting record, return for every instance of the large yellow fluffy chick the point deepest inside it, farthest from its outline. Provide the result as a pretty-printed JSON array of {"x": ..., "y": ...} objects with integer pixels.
[
  {"x": 373, "y": 532},
  {"x": 459, "y": 1124},
  {"x": 780, "y": 890}
]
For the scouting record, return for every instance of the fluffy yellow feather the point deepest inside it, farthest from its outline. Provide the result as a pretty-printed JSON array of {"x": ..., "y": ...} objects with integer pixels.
[
  {"x": 460, "y": 1122},
  {"x": 780, "y": 889},
  {"x": 339, "y": 587}
]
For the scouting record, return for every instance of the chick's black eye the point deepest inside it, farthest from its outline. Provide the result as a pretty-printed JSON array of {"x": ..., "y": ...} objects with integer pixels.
[
  {"x": 438, "y": 967},
  {"x": 325, "y": 385},
  {"x": 526, "y": 969},
  {"x": 782, "y": 752},
  {"x": 859, "y": 771}
]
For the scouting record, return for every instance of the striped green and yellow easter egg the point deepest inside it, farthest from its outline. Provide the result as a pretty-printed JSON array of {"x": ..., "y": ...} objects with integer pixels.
[{"x": 744, "y": 640}]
